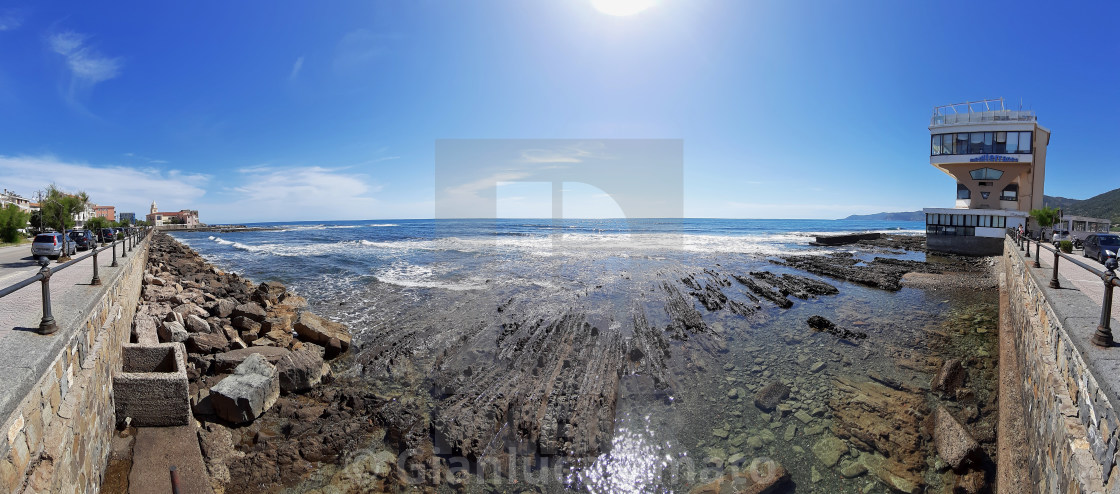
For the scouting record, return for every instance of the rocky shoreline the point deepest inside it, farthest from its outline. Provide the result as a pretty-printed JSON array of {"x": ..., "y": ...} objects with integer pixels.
[
  {"x": 262, "y": 388},
  {"x": 411, "y": 406}
]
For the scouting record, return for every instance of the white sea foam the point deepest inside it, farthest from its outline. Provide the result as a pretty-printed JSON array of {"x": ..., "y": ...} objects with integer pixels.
[
  {"x": 382, "y": 225},
  {"x": 566, "y": 244},
  {"x": 406, "y": 274}
]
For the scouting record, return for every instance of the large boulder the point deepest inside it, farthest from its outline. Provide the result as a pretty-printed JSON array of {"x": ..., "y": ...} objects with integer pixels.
[
  {"x": 244, "y": 395},
  {"x": 768, "y": 398},
  {"x": 949, "y": 377},
  {"x": 250, "y": 311},
  {"x": 954, "y": 443},
  {"x": 207, "y": 343},
  {"x": 323, "y": 331},
  {"x": 224, "y": 307},
  {"x": 196, "y": 324},
  {"x": 246, "y": 324},
  {"x": 301, "y": 369},
  {"x": 271, "y": 291},
  {"x": 172, "y": 332}
]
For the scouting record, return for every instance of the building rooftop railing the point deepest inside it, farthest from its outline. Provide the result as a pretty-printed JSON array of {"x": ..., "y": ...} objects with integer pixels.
[{"x": 981, "y": 111}]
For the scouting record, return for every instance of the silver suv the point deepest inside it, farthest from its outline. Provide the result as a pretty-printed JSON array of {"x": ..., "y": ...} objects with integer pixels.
[{"x": 50, "y": 245}]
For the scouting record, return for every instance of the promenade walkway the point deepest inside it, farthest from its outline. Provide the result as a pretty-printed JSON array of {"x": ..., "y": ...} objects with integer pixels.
[
  {"x": 1082, "y": 281},
  {"x": 24, "y": 354}
]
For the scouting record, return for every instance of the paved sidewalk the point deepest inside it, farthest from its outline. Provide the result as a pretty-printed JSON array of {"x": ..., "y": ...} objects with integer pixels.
[
  {"x": 1081, "y": 280},
  {"x": 25, "y": 353}
]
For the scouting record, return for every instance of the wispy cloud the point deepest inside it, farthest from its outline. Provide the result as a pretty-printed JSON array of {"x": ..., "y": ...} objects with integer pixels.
[
  {"x": 576, "y": 153},
  {"x": 296, "y": 67},
  {"x": 269, "y": 193},
  {"x": 85, "y": 62},
  {"x": 129, "y": 189},
  {"x": 11, "y": 19},
  {"x": 359, "y": 48}
]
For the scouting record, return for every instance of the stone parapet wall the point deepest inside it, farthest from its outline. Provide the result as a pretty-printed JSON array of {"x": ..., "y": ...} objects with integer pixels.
[
  {"x": 1071, "y": 421},
  {"x": 58, "y": 438}
]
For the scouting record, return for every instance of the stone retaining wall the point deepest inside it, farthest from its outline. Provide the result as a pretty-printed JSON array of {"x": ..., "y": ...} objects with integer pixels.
[
  {"x": 57, "y": 439},
  {"x": 1071, "y": 421}
]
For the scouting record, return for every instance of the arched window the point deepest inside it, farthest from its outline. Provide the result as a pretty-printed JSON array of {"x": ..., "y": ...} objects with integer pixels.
[{"x": 985, "y": 174}]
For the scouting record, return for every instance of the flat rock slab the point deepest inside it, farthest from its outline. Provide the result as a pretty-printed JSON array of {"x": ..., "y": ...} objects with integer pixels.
[
  {"x": 156, "y": 449},
  {"x": 954, "y": 443},
  {"x": 322, "y": 331},
  {"x": 227, "y": 361}
]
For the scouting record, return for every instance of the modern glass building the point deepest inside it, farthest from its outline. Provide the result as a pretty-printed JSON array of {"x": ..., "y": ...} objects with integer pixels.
[{"x": 997, "y": 159}]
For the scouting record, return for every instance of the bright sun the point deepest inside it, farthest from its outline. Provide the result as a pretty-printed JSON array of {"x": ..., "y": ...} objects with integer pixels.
[{"x": 622, "y": 7}]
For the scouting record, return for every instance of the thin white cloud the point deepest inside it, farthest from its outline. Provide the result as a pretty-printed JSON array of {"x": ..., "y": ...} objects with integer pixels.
[
  {"x": 358, "y": 48},
  {"x": 292, "y": 194},
  {"x": 10, "y": 19},
  {"x": 85, "y": 62},
  {"x": 577, "y": 153},
  {"x": 296, "y": 67},
  {"x": 129, "y": 189}
]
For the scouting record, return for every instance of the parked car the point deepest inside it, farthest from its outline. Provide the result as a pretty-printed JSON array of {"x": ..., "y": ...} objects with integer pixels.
[
  {"x": 105, "y": 235},
  {"x": 83, "y": 238},
  {"x": 1101, "y": 246},
  {"x": 50, "y": 245},
  {"x": 1060, "y": 235}
]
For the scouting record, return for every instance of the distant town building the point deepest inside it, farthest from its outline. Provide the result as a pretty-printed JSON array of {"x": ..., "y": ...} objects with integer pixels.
[
  {"x": 188, "y": 217},
  {"x": 997, "y": 157},
  {"x": 107, "y": 212},
  {"x": 127, "y": 218},
  {"x": 9, "y": 197}
]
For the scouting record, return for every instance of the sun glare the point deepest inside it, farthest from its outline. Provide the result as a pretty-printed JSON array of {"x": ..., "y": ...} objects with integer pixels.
[{"x": 622, "y": 7}]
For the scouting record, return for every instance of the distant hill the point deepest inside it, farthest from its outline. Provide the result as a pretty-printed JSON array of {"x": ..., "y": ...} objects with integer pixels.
[
  {"x": 907, "y": 216},
  {"x": 1106, "y": 205}
]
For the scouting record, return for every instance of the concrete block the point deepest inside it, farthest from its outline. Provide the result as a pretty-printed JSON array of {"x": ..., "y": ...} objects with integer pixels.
[
  {"x": 252, "y": 389},
  {"x": 152, "y": 386}
]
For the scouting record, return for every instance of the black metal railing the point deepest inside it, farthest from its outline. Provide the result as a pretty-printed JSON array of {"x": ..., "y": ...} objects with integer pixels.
[
  {"x": 1103, "y": 336},
  {"x": 47, "y": 324}
]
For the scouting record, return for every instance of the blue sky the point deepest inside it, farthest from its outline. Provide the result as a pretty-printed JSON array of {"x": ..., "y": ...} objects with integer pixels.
[{"x": 266, "y": 111}]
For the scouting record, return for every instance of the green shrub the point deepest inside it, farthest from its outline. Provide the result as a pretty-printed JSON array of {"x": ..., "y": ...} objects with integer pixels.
[
  {"x": 1066, "y": 246},
  {"x": 12, "y": 219}
]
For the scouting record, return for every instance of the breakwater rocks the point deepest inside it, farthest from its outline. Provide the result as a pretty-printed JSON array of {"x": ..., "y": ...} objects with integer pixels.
[{"x": 258, "y": 364}]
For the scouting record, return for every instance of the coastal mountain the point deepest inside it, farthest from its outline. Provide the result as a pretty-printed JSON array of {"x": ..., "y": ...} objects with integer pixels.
[
  {"x": 1106, "y": 205},
  {"x": 907, "y": 216}
]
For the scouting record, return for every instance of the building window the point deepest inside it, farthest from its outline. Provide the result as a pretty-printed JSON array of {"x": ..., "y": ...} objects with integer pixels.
[
  {"x": 976, "y": 143},
  {"x": 981, "y": 143},
  {"x": 1012, "y": 142},
  {"x": 1010, "y": 193},
  {"x": 985, "y": 174},
  {"x": 962, "y": 144},
  {"x": 963, "y": 192}
]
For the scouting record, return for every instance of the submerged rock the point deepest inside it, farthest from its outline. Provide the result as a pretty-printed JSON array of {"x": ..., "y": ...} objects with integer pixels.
[
  {"x": 829, "y": 449},
  {"x": 949, "y": 378},
  {"x": 768, "y": 398},
  {"x": 877, "y": 418},
  {"x": 760, "y": 477},
  {"x": 954, "y": 443}
]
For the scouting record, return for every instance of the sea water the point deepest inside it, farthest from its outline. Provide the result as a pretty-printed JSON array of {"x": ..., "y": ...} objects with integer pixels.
[{"x": 412, "y": 280}]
